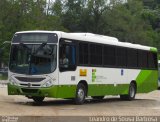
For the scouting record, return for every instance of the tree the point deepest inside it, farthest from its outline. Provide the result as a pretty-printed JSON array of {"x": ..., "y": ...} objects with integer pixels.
[
  {"x": 92, "y": 16},
  {"x": 129, "y": 20},
  {"x": 124, "y": 21},
  {"x": 72, "y": 14}
]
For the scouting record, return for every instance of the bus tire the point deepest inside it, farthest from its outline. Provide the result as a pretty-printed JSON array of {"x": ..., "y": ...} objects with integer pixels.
[
  {"x": 38, "y": 99},
  {"x": 80, "y": 94},
  {"x": 98, "y": 97},
  {"x": 131, "y": 93}
]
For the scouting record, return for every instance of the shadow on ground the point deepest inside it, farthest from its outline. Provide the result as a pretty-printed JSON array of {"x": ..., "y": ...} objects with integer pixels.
[{"x": 109, "y": 101}]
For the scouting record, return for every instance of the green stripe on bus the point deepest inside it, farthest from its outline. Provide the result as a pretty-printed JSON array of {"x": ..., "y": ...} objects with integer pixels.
[
  {"x": 153, "y": 49},
  {"x": 107, "y": 89},
  {"x": 147, "y": 81},
  {"x": 58, "y": 91},
  {"x": 69, "y": 91}
]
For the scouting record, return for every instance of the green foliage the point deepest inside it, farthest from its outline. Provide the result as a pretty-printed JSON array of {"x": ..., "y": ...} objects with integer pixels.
[
  {"x": 3, "y": 77},
  {"x": 128, "y": 27},
  {"x": 133, "y": 21}
]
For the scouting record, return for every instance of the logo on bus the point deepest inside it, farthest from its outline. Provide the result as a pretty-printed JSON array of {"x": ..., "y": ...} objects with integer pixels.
[{"x": 29, "y": 84}]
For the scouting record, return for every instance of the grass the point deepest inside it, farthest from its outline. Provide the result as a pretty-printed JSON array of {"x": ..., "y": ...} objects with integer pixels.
[{"x": 3, "y": 77}]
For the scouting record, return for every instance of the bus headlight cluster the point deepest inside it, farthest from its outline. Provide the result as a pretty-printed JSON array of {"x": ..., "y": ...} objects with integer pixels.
[
  {"x": 13, "y": 82},
  {"x": 47, "y": 84}
]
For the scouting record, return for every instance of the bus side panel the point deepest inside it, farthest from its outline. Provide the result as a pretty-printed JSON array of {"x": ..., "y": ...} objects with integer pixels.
[
  {"x": 147, "y": 81},
  {"x": 67, "y": 84},
  {"x": 105, "y": 81},
  {"x": 107, "y": 89},
  {"x": 66, "y": 91}
]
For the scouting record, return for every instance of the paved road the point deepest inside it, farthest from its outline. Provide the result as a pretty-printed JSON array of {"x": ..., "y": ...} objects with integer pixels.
[{"x": 144, "y": 105}]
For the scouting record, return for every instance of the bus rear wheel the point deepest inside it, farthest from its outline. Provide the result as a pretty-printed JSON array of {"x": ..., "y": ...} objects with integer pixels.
[
  {"x": 80, "y": 94},
  {"x": 131, "y": 93},
  {"x": 38, "y": 99}
]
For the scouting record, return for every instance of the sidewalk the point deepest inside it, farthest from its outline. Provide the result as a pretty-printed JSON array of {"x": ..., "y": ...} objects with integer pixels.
[{"x": 3, "y": 83}]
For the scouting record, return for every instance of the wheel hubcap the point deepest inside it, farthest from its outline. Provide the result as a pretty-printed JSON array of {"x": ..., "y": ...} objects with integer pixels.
[
  {"x": 80, "y": 94},
  {"x": 132, "y": 91}
]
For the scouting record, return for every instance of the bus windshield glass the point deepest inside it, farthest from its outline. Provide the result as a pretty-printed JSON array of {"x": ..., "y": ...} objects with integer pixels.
[{"x": 33, "y": 59}]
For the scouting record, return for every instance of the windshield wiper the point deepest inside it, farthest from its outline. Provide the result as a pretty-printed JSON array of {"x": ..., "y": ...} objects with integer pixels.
[{"x": 40, "y": 47}]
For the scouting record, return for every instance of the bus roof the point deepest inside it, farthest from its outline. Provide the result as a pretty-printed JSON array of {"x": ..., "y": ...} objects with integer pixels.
[{"x": 90, "y": 37}]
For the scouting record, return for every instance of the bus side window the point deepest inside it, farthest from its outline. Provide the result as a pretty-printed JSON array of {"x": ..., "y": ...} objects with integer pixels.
[{"x": 67, "y": 57}]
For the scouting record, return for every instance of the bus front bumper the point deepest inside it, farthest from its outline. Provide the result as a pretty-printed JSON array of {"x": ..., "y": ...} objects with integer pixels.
[{"x": 26, "y": 91}]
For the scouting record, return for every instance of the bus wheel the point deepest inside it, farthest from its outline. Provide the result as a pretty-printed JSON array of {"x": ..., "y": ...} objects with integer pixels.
[
  {"x": 80, "y": 94},
  {"x": 38, "y": 99},
  {"x": 98, "y": 97},
  {"x": 131, "y": 93}
]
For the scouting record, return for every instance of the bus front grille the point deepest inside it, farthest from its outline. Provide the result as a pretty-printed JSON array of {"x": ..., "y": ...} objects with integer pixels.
[
  {"x": 27, "y": 79},
  {"x": 34, "y": 85}
]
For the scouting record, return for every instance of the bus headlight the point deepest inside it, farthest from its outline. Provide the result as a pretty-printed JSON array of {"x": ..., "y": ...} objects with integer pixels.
[
  {"x": 13, "y": 82},
  {"x": 47, "y": 84}
]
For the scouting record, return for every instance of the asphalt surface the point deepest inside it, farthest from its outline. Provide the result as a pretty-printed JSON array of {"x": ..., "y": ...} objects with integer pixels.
[{"x": 144, "y": 105}]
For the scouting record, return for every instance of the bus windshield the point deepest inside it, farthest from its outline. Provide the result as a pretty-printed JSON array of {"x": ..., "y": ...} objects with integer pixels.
[{"x": 33, "y": 59}]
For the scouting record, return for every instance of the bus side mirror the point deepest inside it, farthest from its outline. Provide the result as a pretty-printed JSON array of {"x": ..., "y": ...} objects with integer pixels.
[{"x": 2, "y": 46}]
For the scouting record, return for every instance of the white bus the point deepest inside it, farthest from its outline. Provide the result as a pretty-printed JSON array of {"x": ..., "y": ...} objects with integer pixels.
[{"x": 76, "y": 65}]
